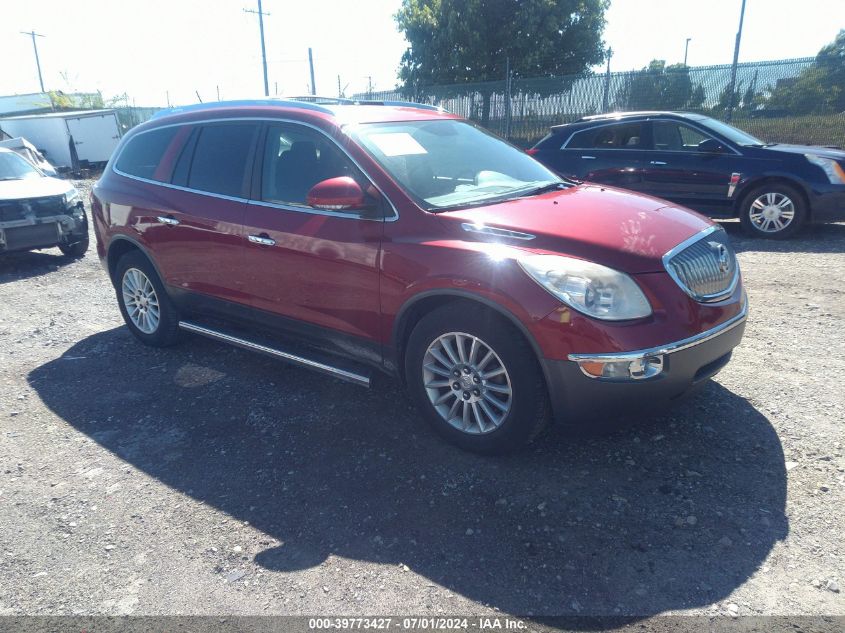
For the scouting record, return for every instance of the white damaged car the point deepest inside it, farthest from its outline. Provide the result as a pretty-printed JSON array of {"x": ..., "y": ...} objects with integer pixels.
[{"x": 39, "y": 211}]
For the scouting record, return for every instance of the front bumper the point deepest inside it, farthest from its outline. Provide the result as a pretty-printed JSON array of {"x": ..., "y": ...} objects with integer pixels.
[
  {"x": 577, "y": 393},
  {"x": 828, "y": 203},
  {"x": 44, "y": 232}
]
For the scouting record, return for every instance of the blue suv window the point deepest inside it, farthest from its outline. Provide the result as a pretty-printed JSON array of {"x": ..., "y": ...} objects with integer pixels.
[
  {"x": 620, "y": 136},
  {"x": 675, "y": 136}
]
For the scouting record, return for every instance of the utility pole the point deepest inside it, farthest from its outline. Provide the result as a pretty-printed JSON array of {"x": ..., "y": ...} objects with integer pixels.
[
  {"x": 261, "y": 15},
  {"x": 369, "y": 86},
  {"x": 686, "y": 50},
  {"x": 339, "y": 91},
  {"x": 605, "y": 102},
  {"x": 33, "y": 35},
  {"x": 736, "y": 60},
  {"x": 507, "y": 97},
  {"x": 311, "y": 66}
]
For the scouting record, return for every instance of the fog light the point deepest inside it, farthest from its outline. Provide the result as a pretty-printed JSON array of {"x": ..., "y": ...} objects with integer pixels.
[{"x": 636, "y": 369}]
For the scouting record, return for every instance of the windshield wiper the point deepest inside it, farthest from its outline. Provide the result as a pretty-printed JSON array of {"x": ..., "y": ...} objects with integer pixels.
[{"x": 551, "y": 186}]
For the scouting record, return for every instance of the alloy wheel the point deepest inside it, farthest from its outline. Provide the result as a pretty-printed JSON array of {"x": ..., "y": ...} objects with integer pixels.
[
  {"x": 467, "y": 383},
  {"x": 141, "y": 301},
  {"x": 772, "y": 212}
]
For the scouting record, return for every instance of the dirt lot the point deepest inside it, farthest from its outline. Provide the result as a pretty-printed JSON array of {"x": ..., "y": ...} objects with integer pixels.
[{"x": 203, "y": 479}]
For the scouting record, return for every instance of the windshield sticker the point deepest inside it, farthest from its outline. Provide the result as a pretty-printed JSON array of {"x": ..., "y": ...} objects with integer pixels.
[{"x": 397, "y": 144}]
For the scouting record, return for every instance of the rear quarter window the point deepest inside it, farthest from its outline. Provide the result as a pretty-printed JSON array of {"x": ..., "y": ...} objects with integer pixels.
[
  {"x": 144, "y": 152},
  {"x": 616, "y": 136}
]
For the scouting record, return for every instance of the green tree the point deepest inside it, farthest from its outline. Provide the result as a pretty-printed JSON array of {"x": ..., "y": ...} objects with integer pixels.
[
  {"x": 90, "y": 101},
  {"x": 660, "y": 87},
  {"x": 745, "y": 99},
  {"x": 463, "y": 41},
  {"x": 819, "y": 88},
  {"x": 60, "y": 100}
]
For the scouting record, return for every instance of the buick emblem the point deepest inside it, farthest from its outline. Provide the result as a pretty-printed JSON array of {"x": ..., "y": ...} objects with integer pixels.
[{"x": 723, "y": 259}]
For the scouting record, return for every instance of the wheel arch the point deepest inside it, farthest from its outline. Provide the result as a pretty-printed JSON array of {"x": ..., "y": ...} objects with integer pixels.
[
  {"x": 782, "y": 179},
  {"x": 119, "y": 246},
  {"x": 423, "y": 303}
]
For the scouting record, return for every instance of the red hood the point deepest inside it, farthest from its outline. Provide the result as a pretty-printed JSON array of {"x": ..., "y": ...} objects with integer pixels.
[{"x": 616, "y": 228}]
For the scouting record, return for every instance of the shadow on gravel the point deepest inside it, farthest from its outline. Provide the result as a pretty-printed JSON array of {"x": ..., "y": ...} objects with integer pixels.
[
  {"x": 671, "y": 514},
  {"x": 816, "y": 238},
  {"x": 26, "y": 264}
]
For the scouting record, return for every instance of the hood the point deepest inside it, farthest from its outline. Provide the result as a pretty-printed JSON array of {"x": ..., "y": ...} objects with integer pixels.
[
  {"x": 33, "y": 188},
  {"x": 616, "y": 228},
  {"x": 826, "y": 152}
]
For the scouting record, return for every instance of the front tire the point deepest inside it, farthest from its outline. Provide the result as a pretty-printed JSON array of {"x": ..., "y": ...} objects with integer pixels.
[
  {"x": 773, "y": 211},
  {"x": 476, "y": 380},
  {"x": 75, "y": 250},
  {"x": 144, "y": 304}
]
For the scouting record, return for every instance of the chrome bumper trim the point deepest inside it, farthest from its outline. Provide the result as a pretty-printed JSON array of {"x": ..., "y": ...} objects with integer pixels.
[{"x": 669, "y": 348}]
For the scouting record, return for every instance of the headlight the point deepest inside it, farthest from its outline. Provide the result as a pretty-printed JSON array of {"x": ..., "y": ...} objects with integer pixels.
[
  {"x": 71, "y": 197},
  {"x": 833, "y": 170},
  {"x": 595, "y": 290}
]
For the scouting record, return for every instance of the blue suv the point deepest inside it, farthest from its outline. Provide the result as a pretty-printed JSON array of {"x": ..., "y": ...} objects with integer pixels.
[{"x": 703, "y": 164}]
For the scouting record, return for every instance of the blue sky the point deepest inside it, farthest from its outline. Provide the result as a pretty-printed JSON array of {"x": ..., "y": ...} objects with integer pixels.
[{"x": 155, "y": 47}]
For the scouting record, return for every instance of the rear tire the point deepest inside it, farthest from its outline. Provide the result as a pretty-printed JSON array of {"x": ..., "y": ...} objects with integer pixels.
[
  {"x": 491, "y": 407},
  {"x": 144, "y": 304},
  {"x": 773, "y": 211}
]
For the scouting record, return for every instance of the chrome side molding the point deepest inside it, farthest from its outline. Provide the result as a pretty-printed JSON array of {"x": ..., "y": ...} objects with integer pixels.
[{"x": 343, "y": 374}]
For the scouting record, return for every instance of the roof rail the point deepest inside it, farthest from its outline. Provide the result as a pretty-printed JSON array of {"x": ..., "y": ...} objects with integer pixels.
[
  {"x": 632, "y": 113},
  {"x": 378, "y": 102},
  {"x": 319, "y": 99},
  {"x": 267, "y": 101},
  {"x": 313, "y": 102},
  {"x": 402, "y": 104}
]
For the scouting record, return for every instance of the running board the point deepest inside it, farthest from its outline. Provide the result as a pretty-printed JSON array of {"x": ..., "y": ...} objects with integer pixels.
[{"x": 337, "y": 372}]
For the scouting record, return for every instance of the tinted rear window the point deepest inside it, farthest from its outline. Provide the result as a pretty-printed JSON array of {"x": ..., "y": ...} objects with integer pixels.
[
  {"x": 617, "y": 136},
  {"x": 220, "y": 158},
  {"x": 143, "y": 153}
]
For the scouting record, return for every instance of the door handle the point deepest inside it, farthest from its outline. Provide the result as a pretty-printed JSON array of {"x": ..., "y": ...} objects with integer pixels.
[
  {"x": 656, "y": 162},
  {"x": 262, "y": 239},
  {"x": 169, "y": 220},
  {"x": 589, "y": 157}
]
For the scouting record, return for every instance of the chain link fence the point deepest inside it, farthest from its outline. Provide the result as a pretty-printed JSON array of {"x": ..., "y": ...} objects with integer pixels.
[{"x": 787, "y": 101}]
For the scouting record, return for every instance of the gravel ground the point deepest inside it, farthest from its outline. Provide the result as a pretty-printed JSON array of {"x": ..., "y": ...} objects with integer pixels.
[{"x": 203, "y": 479}]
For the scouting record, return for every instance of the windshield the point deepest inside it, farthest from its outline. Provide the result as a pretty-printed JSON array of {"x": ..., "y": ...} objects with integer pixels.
[
  {"x": 13, "y": 167},
  {"x": 447, "y": 163},
  {"x": 731, "y": 133}
]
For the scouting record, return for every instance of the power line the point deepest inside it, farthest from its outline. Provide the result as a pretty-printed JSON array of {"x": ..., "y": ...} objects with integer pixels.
[
  {"x": 261, "y": 15},
  {"x": 33, "y": 35}
]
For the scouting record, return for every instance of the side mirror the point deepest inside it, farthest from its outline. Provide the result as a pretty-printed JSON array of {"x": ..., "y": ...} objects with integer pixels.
[
  {"x": 336, "y": 194},
  {"x": 711, "y": 145}
]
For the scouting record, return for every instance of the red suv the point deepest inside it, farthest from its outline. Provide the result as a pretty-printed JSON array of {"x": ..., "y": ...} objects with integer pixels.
[{"x": 400, "y": 238}]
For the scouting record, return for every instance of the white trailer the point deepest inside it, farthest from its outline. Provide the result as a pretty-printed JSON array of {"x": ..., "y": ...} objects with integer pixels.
[{"x": 68, "y": 139}]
